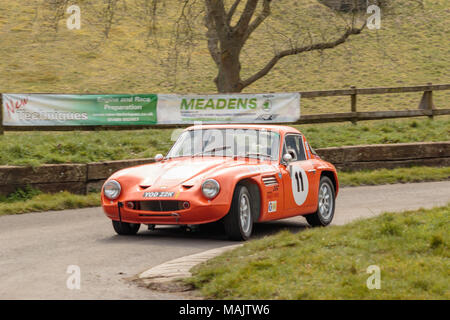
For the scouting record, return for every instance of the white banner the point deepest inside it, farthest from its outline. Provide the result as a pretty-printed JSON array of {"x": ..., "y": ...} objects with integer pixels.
[{"x": 228, "y": 108}]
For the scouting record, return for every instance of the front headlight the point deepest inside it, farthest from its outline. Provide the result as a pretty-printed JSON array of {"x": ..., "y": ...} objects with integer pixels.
[
  {"x": 210, "y": 188},
  {"x": 112, "y": 189}
]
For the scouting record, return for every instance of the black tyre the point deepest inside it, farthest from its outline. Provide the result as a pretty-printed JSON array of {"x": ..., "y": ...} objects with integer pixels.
[
  {"x": 326, "y": 204},
  {"x": 238, "y": 222},
  {"x": 126, "y": 229}
]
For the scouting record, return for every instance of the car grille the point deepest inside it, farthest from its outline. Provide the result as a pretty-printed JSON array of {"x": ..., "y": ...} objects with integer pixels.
[
  {"x": 159, "y": 205},
  {"x": 270, "y": 181}
]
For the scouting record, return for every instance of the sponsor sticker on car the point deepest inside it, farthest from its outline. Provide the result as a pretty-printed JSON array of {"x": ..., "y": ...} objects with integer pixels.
[
  {"x": 272, "y": 206},
  {"x": 158, "y": 194}
]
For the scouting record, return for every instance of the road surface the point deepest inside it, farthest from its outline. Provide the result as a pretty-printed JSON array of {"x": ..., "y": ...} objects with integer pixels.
[{"x": 36, "y": 249}]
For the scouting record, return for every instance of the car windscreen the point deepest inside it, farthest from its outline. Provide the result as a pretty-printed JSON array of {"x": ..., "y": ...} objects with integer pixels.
[{"x": 249, "y": 143}]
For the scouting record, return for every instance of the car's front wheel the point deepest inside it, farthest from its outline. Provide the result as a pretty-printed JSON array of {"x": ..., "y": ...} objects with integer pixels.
[
  {"x": 239, "y": 221},
  {"x": 326, "y": 204},
  {"x": 125, "y": 228}
]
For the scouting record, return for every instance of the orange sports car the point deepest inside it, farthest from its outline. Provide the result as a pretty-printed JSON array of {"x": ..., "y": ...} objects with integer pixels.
[{"x": 239, "y": 174}]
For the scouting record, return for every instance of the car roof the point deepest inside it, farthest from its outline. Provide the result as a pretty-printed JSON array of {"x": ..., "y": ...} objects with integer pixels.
[{"x": 276, "y": 128}]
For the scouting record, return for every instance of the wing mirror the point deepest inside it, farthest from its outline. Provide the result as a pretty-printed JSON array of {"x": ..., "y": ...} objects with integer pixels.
[
  {"x": 159, "y": 157},
  {"x": 287, "y": 158}
]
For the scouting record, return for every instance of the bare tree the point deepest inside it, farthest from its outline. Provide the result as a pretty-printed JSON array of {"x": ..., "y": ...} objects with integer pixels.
[
  {"x": 150, "y": 7},
  {"x": 226, "y": 41},
  {"x": 58, "y": 9},
  {"x": 109, "y": 12},
  {"x": 229, "y": 25}
]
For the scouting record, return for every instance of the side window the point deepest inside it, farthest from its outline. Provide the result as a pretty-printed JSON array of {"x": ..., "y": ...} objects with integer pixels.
[
  {"x": 312, "y": 150},
  {"x": 294, "y": 146}
]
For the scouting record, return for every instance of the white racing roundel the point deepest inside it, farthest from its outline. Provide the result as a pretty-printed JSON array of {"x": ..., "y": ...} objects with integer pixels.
[{"x": 300, "y": 184}]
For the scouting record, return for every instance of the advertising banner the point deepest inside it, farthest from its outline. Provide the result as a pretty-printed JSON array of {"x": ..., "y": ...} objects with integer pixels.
[
  {"x": 78, "y": 110},
  {"x": 147, "y": 109}
]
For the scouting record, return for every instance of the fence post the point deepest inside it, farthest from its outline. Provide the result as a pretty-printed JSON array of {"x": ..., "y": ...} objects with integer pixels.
[
  {"x": 426, "y": 103},
  {"x": 1, "y": 114},
  {"x": 353, "y": 104}
]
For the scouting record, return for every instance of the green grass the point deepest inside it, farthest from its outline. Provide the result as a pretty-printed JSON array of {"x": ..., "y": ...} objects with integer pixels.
[
  {"x": 411, "y": 48},
  {"x": 411, "y": 249},
  {"x": 32, "y": 200},
  {"x": 20, "y": 195},
  {"x": 35, "y": 148},
  {"x": 390, "y": 176}
]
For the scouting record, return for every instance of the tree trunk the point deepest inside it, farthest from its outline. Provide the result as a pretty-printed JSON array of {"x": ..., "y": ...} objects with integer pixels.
[{"x": 228, "y": 79}]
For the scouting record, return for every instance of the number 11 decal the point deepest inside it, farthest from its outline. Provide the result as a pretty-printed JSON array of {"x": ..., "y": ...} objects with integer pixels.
[
  {"x": 299, "y": 179},
  {"x": 300, "y": 184}
]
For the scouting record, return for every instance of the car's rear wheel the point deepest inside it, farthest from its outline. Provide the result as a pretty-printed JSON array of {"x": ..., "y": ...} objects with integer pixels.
[
  {"x": 239, "y": 221},
  {"x": 326, "y": 204},
  {"x": 125, "y": 228}
]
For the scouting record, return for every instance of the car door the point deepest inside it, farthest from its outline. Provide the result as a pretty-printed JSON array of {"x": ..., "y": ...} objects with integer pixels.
[{"x": 299, "y": 177}]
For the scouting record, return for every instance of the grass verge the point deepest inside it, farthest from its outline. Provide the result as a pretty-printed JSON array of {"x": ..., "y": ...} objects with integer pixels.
[
  {"x": 410, "y": 248},
  {"x": 36, "y": 148},
  {"x": 390, "y": 176},
  {"x": 31, "y": 200}
]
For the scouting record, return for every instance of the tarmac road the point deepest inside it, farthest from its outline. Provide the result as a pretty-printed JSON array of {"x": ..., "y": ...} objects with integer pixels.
[{"x": 36, "y": 249}]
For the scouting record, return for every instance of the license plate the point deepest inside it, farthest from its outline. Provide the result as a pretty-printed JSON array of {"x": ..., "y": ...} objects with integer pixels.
[{"x": 158, "y": 194}]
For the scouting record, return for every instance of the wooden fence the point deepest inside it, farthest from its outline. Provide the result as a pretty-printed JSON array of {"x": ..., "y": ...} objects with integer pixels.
[{"x": 425, "y": 108}]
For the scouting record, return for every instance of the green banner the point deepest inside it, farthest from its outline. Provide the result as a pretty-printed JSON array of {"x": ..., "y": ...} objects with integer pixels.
[{"x": 67, "y": 110}]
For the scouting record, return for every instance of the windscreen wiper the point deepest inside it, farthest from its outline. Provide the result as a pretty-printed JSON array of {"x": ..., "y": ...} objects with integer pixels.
[
  {"x": 257, "y": 154},
  {"x": 212, "y": 150}
]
